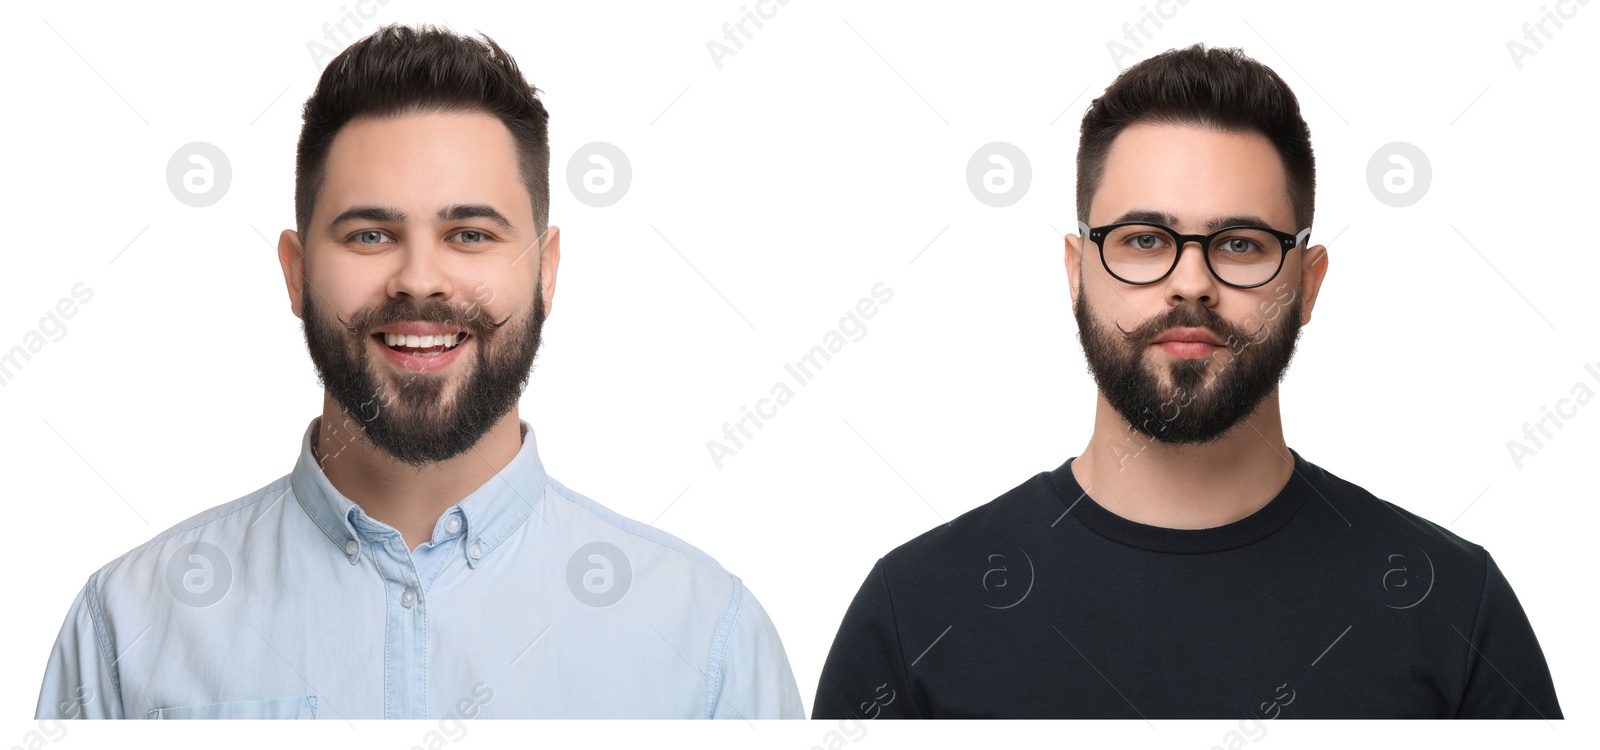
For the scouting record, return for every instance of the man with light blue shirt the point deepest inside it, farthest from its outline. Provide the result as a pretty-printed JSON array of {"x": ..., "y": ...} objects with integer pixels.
[{"x": 418, "y": 562}]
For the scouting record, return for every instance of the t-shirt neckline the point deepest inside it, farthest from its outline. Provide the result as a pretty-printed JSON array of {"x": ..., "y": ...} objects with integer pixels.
[{"x": 1252, "y": 528}]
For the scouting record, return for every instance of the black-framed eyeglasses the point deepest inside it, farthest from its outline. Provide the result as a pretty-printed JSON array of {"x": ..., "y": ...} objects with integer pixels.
[{"x": 1243, "y": 257}]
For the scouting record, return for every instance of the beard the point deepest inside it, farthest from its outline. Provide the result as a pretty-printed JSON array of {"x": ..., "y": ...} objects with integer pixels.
[
  {"x": 409, "y": 415},
  {"x": 1202, "y": 398}
]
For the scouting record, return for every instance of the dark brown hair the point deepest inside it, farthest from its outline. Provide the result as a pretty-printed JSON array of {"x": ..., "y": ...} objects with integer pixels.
[
  {"x": 1217, "y": 88},
  {"x": 398, "y": 70}
]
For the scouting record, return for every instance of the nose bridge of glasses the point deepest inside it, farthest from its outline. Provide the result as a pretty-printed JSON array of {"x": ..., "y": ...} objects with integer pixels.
[{"x": 1183, "y": 241}]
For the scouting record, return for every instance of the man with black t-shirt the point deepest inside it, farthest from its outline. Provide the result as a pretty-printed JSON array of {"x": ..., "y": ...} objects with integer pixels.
[{"x": 1188, "y": 563}]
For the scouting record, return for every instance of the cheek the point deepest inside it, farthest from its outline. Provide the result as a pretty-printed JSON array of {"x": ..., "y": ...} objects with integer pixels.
[
  {"x": 1112, "y": 302},
  {"x": 1258, "y": 311},
  {"x": 497, "y": 295},
  {"x": 487, "y": 308},
  {"x": 343, "y": 287},
  {"x": 481, "y": 300}
]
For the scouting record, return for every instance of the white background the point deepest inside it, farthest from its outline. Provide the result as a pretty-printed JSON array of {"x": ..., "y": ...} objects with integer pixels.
[{"x": 821, "y": 159}]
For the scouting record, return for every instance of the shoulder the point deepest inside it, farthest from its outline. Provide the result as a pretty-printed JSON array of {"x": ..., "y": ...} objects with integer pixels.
[
  {"x": 1377, "y": 519},
  {"x": 222, "y": 530},
  {"x": 647, "y": 548},
  {"x": 1024, "y": 510},
  {"x": 1355, "y": 526},
  {"x": 683, "y": 592}
]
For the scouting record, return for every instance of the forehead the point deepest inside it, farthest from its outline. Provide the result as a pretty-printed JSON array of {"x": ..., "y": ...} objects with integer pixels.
[
  {"x": 1192, "y": 172},
  {"x": 424, "y": 161}
]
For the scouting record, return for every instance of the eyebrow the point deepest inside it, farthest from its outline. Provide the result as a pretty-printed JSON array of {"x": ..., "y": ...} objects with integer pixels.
[
  {"x": 1161, "y": 217},
  {"x": 457, "y": 212}
]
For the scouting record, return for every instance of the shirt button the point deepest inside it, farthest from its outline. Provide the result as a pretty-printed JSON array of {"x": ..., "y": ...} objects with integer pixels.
[
  {"x": 350, "y": 547},
  {"x": 408, "y": 597},
  {"x": 452, "y": 525},
  {"x": 475, "y": 551}
]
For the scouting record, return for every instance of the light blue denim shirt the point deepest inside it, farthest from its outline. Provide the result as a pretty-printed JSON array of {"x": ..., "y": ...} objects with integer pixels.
[{"x": 530, "y": 600}]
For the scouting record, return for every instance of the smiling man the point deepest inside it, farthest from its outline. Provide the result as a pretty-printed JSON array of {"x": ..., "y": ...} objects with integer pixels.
[
  {"x": 418, "y": 562},
  {"x": 1188, "y": 563}
]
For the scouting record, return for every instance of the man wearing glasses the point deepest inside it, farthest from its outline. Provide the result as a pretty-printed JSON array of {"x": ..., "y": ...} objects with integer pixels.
[{"x": 1188, "y": 563}]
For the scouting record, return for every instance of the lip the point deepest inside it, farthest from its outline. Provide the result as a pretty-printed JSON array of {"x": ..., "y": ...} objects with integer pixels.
[
  {"x": 1188, "y": 336},
  {"x": 414, "y": 363},
  {"x": 1188, "y": 349}
]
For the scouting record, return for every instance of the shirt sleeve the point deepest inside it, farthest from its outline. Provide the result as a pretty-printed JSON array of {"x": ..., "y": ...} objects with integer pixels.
[
  {"x": 80, "y": 680},
  {"x": 1507, "y": 676},
  {"x": 865, "y": 674},
  {"x": 757, "y": 682}
]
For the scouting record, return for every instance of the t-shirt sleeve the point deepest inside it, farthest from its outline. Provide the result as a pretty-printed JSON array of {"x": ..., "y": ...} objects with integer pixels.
[
  {"x": 864, "y": 676},
  {"x": 1507, "y": 676},
  {"x": 757, "y": 682},
  {"x": 80, "y": 679}
]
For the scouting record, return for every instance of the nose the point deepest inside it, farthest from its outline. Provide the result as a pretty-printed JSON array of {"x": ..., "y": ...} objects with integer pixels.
[
  {"x": 421, "y": 273},
  {"x": 1192, "y": 280}
]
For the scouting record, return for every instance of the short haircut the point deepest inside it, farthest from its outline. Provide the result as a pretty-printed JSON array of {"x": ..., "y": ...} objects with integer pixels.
[
  {"x": 398, "y": 70},
  {"x": 1218, "y": 88}
]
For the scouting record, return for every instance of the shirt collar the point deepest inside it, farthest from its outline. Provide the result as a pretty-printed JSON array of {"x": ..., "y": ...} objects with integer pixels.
[
  {"x": 491, "y": 513},
  {"x": 1265, "y": 521}
]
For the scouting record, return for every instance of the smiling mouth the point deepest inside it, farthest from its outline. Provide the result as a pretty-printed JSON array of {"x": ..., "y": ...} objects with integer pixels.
[{"x": 421, "y": 346}]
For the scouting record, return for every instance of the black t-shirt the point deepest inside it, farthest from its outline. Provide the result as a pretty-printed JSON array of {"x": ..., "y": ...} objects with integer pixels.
[{"x": 1327, "y": 602}]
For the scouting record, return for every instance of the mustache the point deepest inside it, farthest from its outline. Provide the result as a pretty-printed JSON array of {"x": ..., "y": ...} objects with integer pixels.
[
  {"x": 469, "y": 318},
  {"x": 1188, "y": 316}
]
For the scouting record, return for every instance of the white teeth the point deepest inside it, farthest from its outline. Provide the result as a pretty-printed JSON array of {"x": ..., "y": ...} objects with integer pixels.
[{"x": 420, "y": 342}]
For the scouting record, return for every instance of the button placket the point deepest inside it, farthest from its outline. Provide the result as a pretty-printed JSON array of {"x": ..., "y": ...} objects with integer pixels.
[{"x": 405, "y": 643}]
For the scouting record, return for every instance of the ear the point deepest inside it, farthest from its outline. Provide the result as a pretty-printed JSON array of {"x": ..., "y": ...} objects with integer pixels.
[
  {"x": 1313, "y": 268},
  {"x": 292, "y": 257},
  {"x": 1074, "y": 261},
  {"x": 549, "y": 260}
]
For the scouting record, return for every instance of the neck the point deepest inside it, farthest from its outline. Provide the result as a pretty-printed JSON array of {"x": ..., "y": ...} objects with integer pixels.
[
  {"x": 1185, "y": 486},
  {"x": 405, "y": 498}
]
